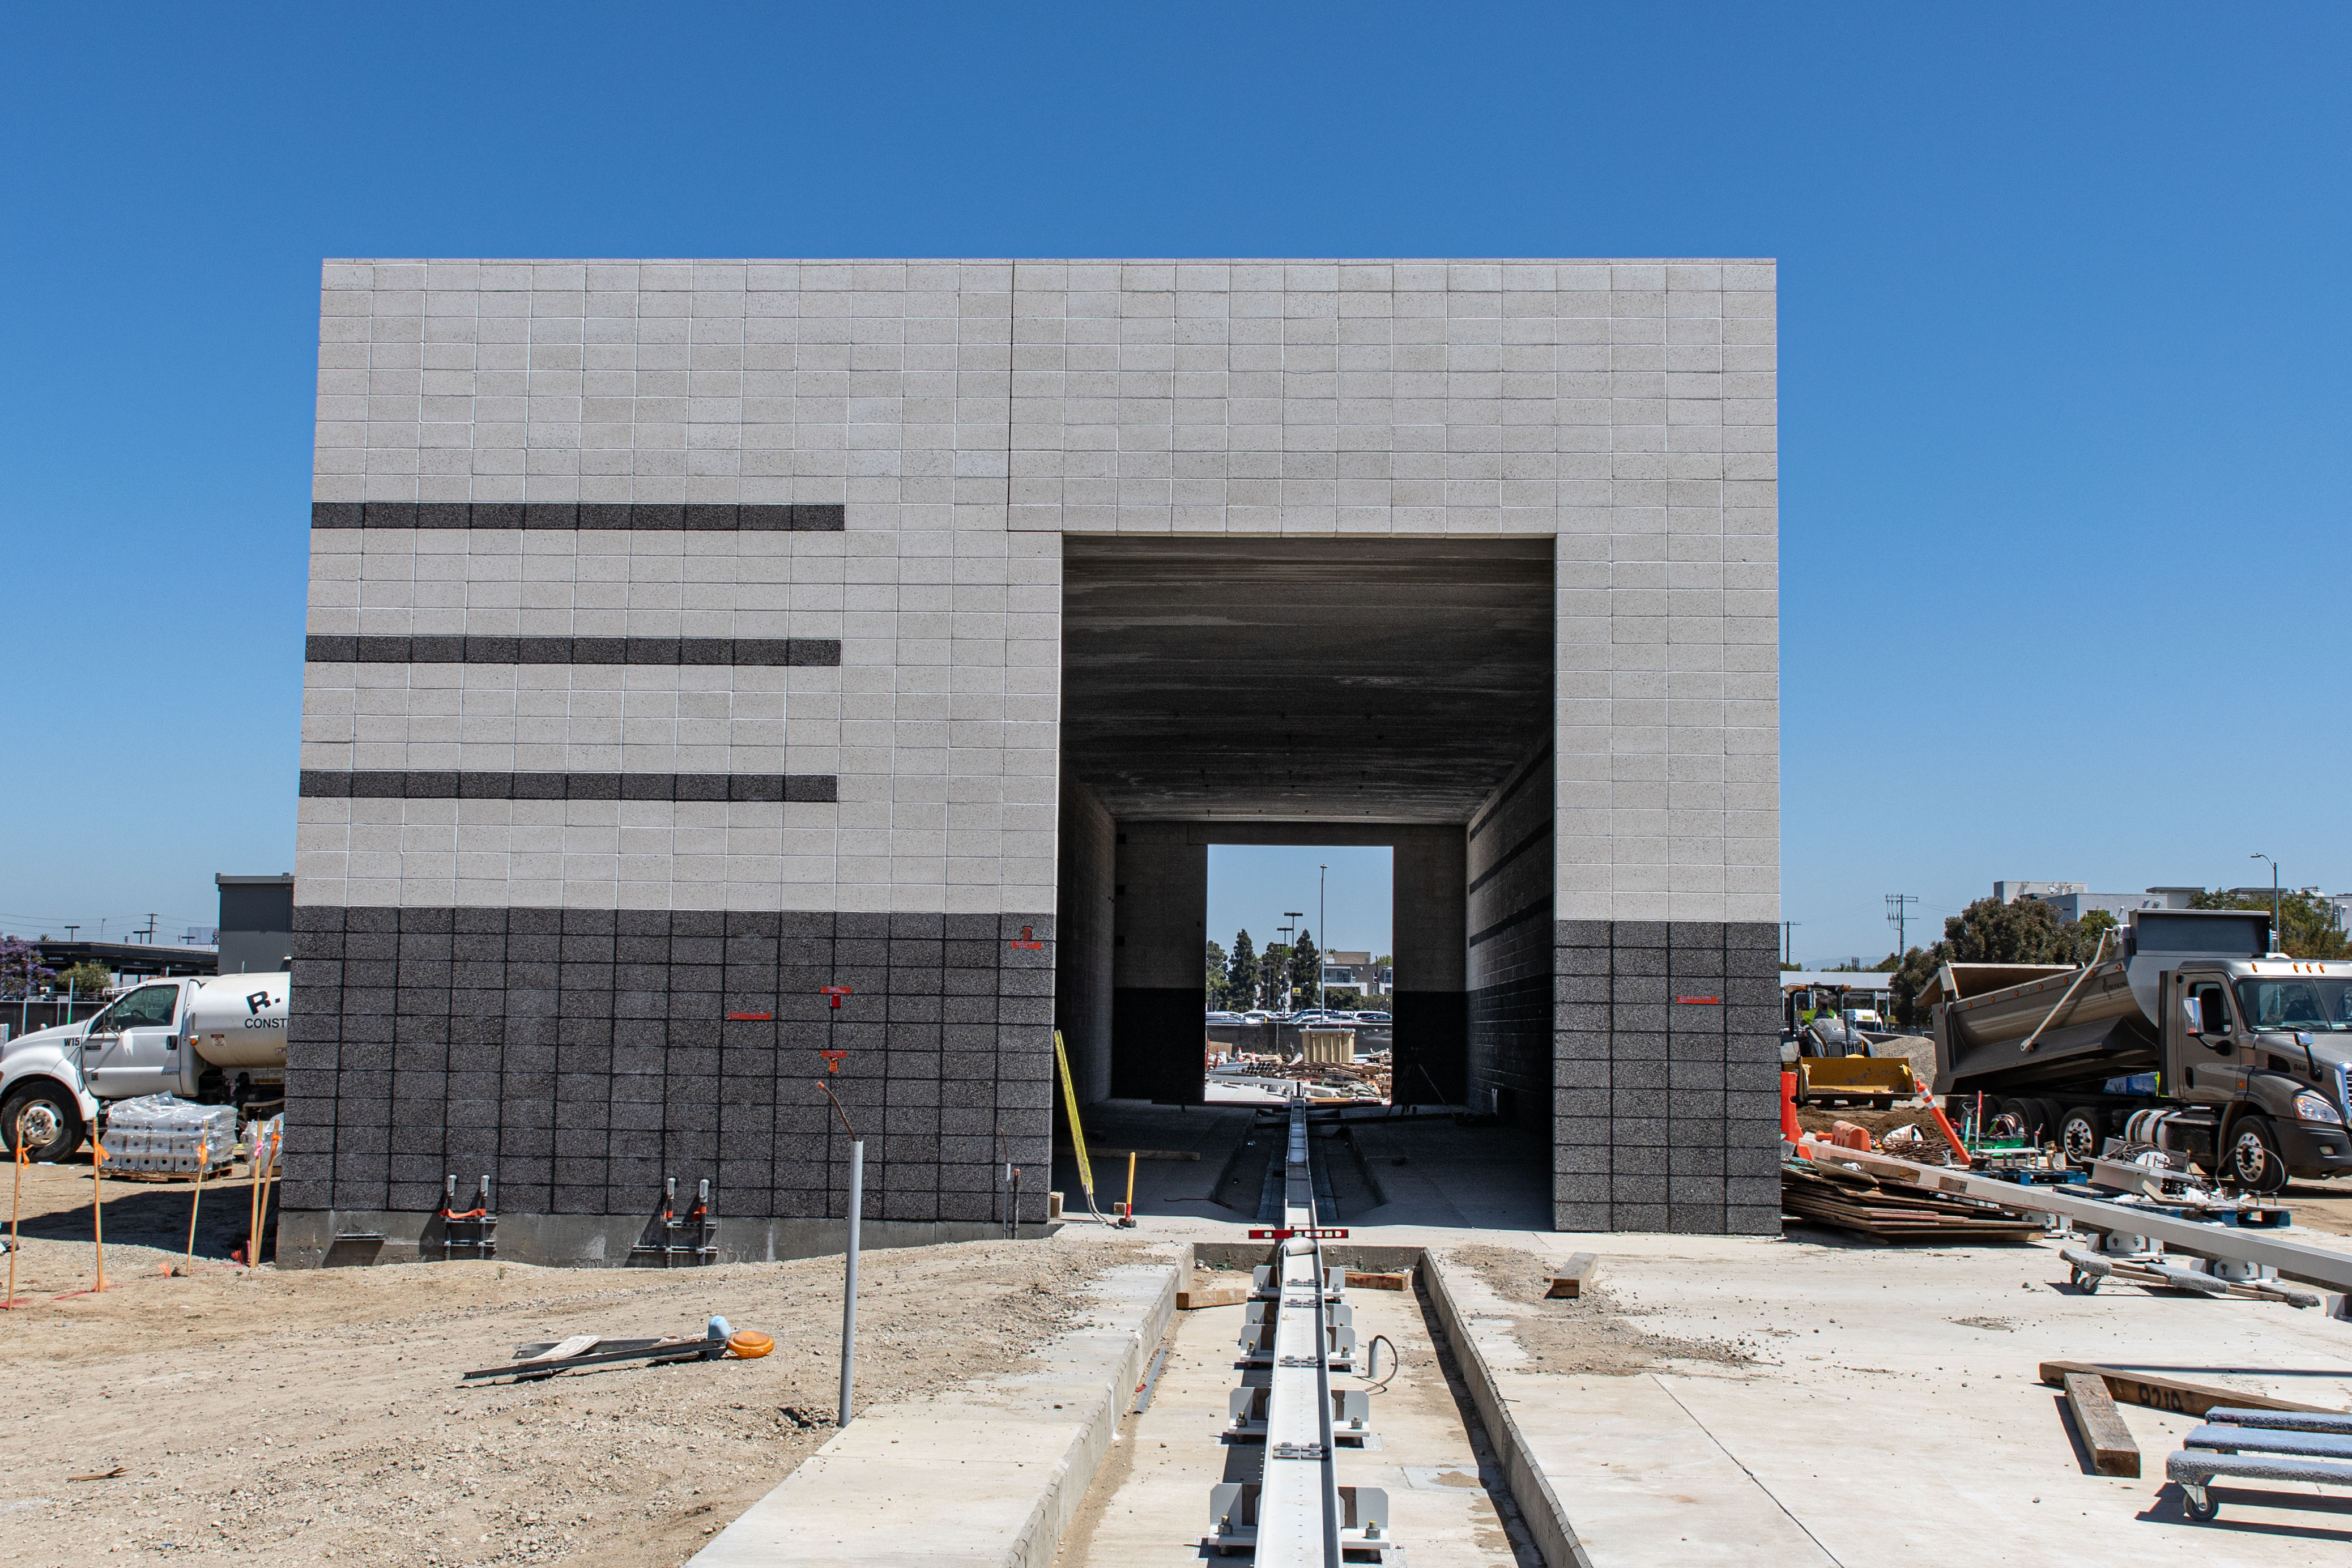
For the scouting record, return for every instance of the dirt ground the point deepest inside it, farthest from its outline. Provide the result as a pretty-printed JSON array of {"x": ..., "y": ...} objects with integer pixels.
[
  {"x": 1588, "y": 1334},
  {"x": 317, "y": 1414}
]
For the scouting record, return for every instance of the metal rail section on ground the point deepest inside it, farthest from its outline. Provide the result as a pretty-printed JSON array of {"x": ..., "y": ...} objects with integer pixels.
[
  {"x": 2327, "y": 1268},
  {"x": 1300, "y": 1330}
]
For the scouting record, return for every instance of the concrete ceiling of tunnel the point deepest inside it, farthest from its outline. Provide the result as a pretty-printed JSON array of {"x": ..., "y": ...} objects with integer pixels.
[{"x": 1393, "y": 679}]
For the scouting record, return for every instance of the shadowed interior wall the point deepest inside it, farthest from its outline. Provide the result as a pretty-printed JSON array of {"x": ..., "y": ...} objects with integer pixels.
[
  {"x": 1084, "y": 924},
  {"x": 1159, "y": 978},
  {"x": 1509, "y": 899}
]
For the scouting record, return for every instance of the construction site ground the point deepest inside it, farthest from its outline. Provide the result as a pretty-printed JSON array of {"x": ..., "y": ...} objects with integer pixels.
[
  {"x": 316, "y": 1415},
  {"x": 1811, "y": 1398}
]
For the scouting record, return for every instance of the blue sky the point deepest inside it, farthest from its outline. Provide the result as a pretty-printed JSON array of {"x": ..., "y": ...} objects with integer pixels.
[
  {"x": 1252, "y": 887},
  {"x": 2063, "y": 330}
]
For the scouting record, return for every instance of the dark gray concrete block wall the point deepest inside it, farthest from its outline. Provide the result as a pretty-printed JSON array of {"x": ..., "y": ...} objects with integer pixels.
[
  {"x": 579, "y": 1058},
  {"x": 1666, "y": 1105}
]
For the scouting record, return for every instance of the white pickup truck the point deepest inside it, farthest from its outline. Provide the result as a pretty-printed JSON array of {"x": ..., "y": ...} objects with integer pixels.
[{"x": 219, "y": 1041}]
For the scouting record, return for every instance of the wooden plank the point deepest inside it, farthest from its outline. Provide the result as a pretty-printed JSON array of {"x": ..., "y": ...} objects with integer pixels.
[
  {"x": 2113, "y": 1452},
  {"x": 1569, "y": 1282},
  {"x": 1359, "y": 1281},
  {"x": 1211, "y": 1296},
  {"x": 2178, "y": 1395}
]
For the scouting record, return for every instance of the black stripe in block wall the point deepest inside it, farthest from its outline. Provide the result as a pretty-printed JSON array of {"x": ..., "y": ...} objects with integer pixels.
[
  {"x": 1538, "y": 911},
  {"x": 797, "y": 518},
  {"x": 434, "y": 784},
  {"x": 581, "y": 1057},
  {"x": 757, "y": 652}
]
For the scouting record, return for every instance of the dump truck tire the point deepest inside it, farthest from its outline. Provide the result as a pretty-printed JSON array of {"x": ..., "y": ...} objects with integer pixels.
[
  {"x": 2254, "y": 1161},
  {"x": 2082, "y": 1131},
  {"x": 2030, "y": 1117}
]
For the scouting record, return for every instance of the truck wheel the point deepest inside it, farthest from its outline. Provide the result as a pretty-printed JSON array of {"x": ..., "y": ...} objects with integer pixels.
[
  {"x": 44, "y": 1116},
  {"x": 2079, "y": 1135},
  {"x": 2031, "y": 1118},
  {"x": 2254, "y": 1161}
]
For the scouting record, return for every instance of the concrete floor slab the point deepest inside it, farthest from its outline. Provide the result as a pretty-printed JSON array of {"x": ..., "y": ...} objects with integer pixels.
[{"x": 1893, "y": 1412}]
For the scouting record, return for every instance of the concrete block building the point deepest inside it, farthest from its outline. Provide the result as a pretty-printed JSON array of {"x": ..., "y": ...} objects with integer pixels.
[{"x": 687, "y": 636}]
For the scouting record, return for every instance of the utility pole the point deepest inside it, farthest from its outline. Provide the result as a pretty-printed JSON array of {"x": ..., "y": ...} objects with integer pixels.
[
  {"x": 1897, "y": 909},
  {"x": 1322, "y": 876},
  {"x": 1788, "y": 941}
]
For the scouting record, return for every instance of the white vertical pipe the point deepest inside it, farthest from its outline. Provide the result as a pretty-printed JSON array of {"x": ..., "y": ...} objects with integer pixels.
[{"x": 849, "y": 1276}]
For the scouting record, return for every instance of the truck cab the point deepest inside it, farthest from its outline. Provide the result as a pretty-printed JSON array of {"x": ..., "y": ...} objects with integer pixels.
[
  {"x": 219, "y": 1041},
  {"x": 2263, "y": 1048}
]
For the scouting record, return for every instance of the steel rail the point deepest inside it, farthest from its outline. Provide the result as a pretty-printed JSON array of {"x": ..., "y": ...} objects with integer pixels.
[{"x": 1298, "y": 1497}]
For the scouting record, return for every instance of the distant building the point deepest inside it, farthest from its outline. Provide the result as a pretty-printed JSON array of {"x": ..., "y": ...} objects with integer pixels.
[
  {"x": 1354, "y": 972},
  {"x": 2073, "y": 900},
  {"x": 257, "y": 924}
]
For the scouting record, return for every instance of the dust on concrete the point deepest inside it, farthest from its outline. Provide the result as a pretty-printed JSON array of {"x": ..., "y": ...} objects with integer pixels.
[
  {"x": 317, "y": 1416},
  {"x": 1591, "y": 1333}
]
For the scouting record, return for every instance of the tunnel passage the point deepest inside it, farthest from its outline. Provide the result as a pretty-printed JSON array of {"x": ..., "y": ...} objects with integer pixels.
[{"x": 1386, "y": 691}]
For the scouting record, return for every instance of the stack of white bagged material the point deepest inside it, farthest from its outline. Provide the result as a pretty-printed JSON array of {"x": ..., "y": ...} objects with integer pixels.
[
  {"x": 264, "y": 1142},
  {"x": 164, "y": 1132}
]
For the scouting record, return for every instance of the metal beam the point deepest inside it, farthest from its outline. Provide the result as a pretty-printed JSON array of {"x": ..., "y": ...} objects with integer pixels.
[{"x": 2329, "y": 1269}]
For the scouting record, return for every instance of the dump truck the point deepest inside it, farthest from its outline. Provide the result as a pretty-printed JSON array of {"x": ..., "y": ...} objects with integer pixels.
[
  {"x": 2187, "y": 1032},
  {"x": 219, "y": 1041}
]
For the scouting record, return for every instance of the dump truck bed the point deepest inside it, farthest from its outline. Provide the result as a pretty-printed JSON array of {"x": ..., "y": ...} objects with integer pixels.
[{"x": 2100, "y": 1031}]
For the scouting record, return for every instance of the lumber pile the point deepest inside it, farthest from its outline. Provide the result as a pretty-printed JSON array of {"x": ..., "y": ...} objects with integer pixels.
[{"x": 1885, "y": 1206}]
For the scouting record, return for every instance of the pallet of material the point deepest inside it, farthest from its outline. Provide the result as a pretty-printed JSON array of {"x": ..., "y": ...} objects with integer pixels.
[{"x": 1898, "y": 1211}]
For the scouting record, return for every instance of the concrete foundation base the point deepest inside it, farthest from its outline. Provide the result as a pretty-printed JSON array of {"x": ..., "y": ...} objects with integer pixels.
[{"x": 333, "y": 1238}]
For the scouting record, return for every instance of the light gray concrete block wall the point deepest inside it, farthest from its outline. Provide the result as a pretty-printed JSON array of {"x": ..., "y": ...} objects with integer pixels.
[{"x": 965, "y": 414}]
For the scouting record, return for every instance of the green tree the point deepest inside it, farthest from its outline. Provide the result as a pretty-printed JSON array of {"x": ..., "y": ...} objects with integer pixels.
[
  {"x": 1241, "y": 973},
  {"x": 86, "y": 978},
  {"x": 1216, "y": 975},
  {"x": 1273, "y": 973},
  {"x": 2309, "y": 925},
  {"x": 1991, "y": 931},
  {"x": 1305, "y": 968}
]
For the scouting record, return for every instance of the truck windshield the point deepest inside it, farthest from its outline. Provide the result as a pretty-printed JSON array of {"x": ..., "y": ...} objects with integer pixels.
[{"x": 2301, "y": 1002}]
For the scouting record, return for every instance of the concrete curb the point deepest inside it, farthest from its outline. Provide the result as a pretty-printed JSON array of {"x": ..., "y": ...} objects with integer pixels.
[
  {"x": 984, "y": 1476},
  {"x": 1539, "y": 1505}
]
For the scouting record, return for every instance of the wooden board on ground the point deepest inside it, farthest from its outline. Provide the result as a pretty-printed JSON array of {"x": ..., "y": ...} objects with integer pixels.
[
  {"x": 1211, "y": 1296},
  {"x": 2113, "y": 1451},
  {"x": 1881, "y": 1200},
  {"x": 1359, "y": 1281},
  {"x": 2179, "y": 1395},
  {"x": 1569, "y": 1282}
]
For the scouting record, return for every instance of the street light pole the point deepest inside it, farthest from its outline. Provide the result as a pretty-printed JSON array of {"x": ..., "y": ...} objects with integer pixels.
[
  {"x": 1289, "y": 942},
  {"x": 2278, "y": 928},
  {"x": 1322, "y": 876}
]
